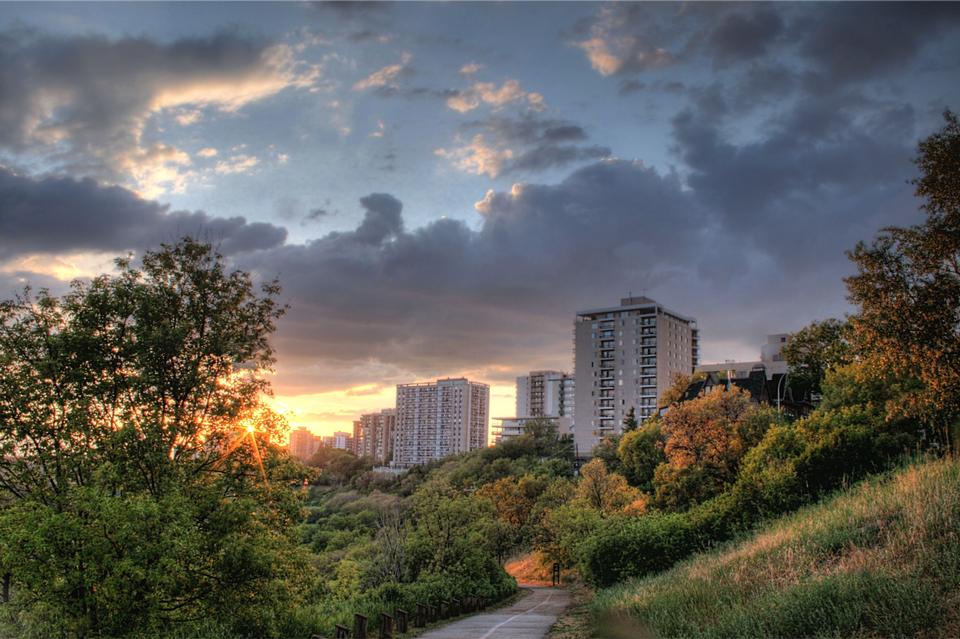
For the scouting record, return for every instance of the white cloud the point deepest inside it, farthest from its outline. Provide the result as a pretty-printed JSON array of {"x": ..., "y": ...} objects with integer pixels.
[
  {"x": 237, "y": 164},
  {"x": 470, "y": 68},
  {"x": 386, "y": 76},
  {"x": 207, "y": 152},
  {"x": 477, "y": 157},
  {"x": 497, "y": 97}
]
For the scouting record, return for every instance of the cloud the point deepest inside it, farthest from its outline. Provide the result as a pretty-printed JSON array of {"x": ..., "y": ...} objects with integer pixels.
[
  {"x": 470, "y": 68},
  {"x": 497, "y": 97},
  {"x": 623, "y": 39},
  {"x": 477, "y": 157},
  {"x": 85, "y": 102},
  {"x": 241, "y": 163},
  {"x": 207, "y": 152},
  {"x": 56, "y": 215},
  {"x": 528, "y": 143},
  {"x": 387, "y": 76},
  {"x": 832, "y": 45}
]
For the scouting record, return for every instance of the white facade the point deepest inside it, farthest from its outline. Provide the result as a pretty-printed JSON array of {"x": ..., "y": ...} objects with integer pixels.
[
  {"x": 626, "y": 357},
  {"x": 514, "y": 426},
  {"x": 771, "y": 360},
  {"x": 437, "y": 419}
]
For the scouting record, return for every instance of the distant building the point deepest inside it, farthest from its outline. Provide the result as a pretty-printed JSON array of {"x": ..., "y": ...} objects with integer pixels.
[
  {"x": 771, "y": 361},
  {"x": 376, "y": 435},
  {"x": 437, "y": 419},
  {"x": 779, "y": 391},
  {"x": 510, "y": 427},
  {"x": 342, "y": 440},
  {"x": 545, "y": 394},
  {"x": 357, "y": 447},
  {"x": 303, "y": 443},
  {"x": 625, "y": 357}
]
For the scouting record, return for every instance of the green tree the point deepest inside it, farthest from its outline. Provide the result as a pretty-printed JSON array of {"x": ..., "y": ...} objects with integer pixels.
[
  {"x": 908, "y": 289},
  {"x": 705, "y": 438},
  {"x": 602, "y": 490},
  {"x": 630, "y": 420},
  {"x": 136, "y": 454},
  {"x": 814, "y": 349},
  {"x": 640, "y": 452}
]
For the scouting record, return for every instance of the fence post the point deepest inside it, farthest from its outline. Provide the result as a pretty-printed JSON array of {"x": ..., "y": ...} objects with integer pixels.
[
  {"x": 401, "y": 616},
  {"x": 556, "y": 574},
  {"x": 421, "y": 615},
  {"x": 386, "y": 626},
  {"x": 342, "y": 632},
  {"x": 457, "y": 605},
  {"x": 359, "y": 626}
]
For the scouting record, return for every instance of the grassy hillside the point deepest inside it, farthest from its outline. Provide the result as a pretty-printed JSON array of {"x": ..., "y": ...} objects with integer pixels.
[{"x": 881, "y": 559}]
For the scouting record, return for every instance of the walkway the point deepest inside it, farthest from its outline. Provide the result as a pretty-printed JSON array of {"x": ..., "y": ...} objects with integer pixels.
[{"x": 528, "y": 618}]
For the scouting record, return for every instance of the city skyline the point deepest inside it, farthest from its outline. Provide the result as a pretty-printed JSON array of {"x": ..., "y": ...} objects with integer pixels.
[{"x": 441, "y": 188}]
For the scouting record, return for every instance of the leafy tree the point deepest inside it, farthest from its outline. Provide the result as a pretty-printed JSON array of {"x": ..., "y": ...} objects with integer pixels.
[
  {"x": 908, "y": 289},
  {"x": 630, "y": 420},
  {"x": 602, "y": 490},
  {"x": 136, "y": 456},
  {"x": 704, "y": 441},
  {"x": 565, "y": 529},
  {"x": 814, "y": 349},
  {"x": 606, "y": 450},
  {"x": 678, "y": 387},
  {"x": 640, "y": 452}
]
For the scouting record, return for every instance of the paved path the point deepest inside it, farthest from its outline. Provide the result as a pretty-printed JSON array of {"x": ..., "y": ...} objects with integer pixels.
[{"x": 528, "y": 618}]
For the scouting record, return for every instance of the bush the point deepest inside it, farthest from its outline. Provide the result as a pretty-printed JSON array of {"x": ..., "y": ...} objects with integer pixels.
[{"x": 636, "y": 546}]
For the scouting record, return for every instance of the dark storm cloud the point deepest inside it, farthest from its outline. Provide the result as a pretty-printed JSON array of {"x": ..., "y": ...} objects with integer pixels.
[
  {"x": 444, "y": 297},
  {"x": 857, "y": 41},
  {"x": 61, "y": 214},
  {"x": 745, "y": 35},
  {"x": 820, "y": 175},
  {"x": 830, "y": 45}
]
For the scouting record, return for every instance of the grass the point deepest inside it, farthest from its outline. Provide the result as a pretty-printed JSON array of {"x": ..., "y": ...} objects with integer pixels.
[{"x": 879, "y": 560}]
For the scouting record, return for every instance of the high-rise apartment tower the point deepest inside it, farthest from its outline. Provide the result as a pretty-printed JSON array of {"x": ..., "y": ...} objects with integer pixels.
[
  {"x": 626, "y": 357},
  {"x": 437, "y": 419}
]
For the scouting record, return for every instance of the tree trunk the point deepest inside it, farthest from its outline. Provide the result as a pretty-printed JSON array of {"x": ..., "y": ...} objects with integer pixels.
[{"x": 5, "y": 594}]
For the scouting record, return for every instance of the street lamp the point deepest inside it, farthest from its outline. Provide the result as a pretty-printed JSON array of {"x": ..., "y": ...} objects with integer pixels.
[{"x": 782, "y": 377}]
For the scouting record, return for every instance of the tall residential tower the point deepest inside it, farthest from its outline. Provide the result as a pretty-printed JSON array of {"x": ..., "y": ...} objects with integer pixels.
[
  {"x": 626, "y": 357},
  {"x": 437, "y": 419}
]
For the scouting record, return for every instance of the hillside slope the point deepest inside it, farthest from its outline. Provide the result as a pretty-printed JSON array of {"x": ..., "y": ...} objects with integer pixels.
[{"x": 881, "y": 559}]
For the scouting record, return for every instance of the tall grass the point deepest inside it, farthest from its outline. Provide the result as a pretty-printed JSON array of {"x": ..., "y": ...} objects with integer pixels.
[{"x": 881, "y": 559}]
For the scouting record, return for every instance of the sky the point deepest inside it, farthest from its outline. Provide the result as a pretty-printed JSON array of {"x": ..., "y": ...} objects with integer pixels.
[{"x": 441, "y": 187}]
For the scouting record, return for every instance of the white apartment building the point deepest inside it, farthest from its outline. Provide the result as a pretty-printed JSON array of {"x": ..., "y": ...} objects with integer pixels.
[
  {"x": 514, "y": 426},
  {"x": 545, "y": 394},
  {"x": 771, "y": 361},
  {"x": 625, "y": 357},
  {"x": 441, "y": 418}
]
